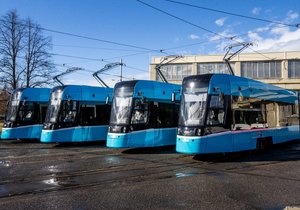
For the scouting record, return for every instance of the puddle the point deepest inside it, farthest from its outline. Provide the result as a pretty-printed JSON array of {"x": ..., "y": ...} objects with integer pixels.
[
  {"x": 5, "y": 163},
  {"x": 53, "y": 169},
  {"x": 62, "y": 183},
  {"x": 2, "y": 190},
  {"x": 51, "y": 181},
  {"x": 179, "y": 175},
  {"x": 112, "y": 160}
]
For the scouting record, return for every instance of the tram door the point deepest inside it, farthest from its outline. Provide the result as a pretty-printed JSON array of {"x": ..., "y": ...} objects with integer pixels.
[{"x": 87, "y": 118}]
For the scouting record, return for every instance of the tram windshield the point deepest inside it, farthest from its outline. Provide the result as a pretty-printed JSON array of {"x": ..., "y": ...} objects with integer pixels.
[
  {"x": 53, "y": 107},
  {"x": 120, "y": 111},
  {"x": 13, "y": 106},
  {"x": 192, "y": 109},
  {"x": 121, "y": 106},
  {"x": 193, "y": 103}
]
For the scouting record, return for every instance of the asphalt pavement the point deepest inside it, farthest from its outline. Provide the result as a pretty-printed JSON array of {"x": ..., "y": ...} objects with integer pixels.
[{"x": 90, "y": 176}]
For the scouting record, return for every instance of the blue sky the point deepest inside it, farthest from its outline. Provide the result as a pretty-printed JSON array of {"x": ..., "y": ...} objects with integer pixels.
[{"x": 132, "y": 23}]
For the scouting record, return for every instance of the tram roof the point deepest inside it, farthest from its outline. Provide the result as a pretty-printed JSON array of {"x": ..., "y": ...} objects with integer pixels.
[
  {"x": 240, "y": 86},
  {"x": 84, "y": 92},
  {"x": 151, "y": 89},
  {"x": 34, "y": 94}
]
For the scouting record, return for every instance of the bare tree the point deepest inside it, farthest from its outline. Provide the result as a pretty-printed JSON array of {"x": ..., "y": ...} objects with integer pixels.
[
  {"x": 25, "y": 60},
  {"x": 11, "y": 34},
  {"x": 39, "y": 67}
]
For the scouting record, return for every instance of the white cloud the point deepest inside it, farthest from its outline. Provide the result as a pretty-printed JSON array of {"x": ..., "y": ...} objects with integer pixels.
[
  {"x": 292, "y": 15},
  {"x": 256, "y": 10},
  {"x": 283, "y": 40},
  {"x": 194, "y": 36},
  {"x": 220, "y": 22},
  {"x": 269, "y": 38}
]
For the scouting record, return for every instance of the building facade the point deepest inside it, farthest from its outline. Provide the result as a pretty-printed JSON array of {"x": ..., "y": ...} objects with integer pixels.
[{"x": 277, "y": 68}]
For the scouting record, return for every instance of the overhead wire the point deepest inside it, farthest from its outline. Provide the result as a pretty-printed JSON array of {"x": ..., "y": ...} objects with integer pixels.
[
  {"x": 200, "y": 27},
  {"x": 234, "y": 14}
]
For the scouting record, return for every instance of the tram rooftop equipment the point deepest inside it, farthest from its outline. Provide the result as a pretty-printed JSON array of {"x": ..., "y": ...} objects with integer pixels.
[
  {"x": 26, "y": 113},
  {"x": 222, "y": 113},
  {"x": 77, "y": 114},
  {"x": 143, "y": 114}
]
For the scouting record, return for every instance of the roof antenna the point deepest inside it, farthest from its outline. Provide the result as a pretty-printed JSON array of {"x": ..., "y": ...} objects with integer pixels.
[{"x": 227, "y": 57}]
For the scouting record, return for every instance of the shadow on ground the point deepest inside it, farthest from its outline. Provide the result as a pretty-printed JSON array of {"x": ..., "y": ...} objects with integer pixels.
[
  {"x": 151, "y": 150},
  {"x": 80, "y": 144},
  {"x": 289, "y": 151}
]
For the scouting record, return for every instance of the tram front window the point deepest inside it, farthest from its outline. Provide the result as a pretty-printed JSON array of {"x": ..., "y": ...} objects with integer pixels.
[
  {"x": 192, "y": 109},
  {"x": 12, "y": 110},
  {"x": 120, "y": 111},
  {"x": 53, "y": 107},
  {"x": 13, "y": 106}
]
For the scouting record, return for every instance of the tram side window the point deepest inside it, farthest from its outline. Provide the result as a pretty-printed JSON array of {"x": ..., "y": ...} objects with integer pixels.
[
  {"x": 215, "y": 114},
  {"x": 102, "y": 114},
  {"x": 140, "y": 113},
  {"x": 248, "y": 119},
  {"x": 43, "y": 111},
  {"x": 288, "y": 114},
  {"x": 87, "y": 114},
  {"x": 27, "y": 111},
  {"x": 167, "y": 115},
  {"x": 69, "y": 112}
]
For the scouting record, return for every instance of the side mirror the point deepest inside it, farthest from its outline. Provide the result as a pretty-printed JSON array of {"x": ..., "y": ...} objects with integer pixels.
[
  {"x": 107, "y": 100},
  {"x": 173, "y": 97},
  {"x": 143, "y": 100}
]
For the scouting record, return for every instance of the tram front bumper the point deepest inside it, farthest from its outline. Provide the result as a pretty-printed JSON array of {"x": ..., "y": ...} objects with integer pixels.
[
  {"x": 118, "y": 140},
  {"x": 22, "y": 132},
  {"x": 190, "y": 145}
]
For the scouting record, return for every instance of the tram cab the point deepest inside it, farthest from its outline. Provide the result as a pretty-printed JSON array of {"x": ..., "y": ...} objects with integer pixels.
[
  {"x": 143, "y": 114},
  {"x": 77, "y": 114},
  {"x": 26, "y": 113}
]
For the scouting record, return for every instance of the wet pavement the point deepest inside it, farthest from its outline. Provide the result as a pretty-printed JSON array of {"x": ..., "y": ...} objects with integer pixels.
[{"x": 91, "y": 176}]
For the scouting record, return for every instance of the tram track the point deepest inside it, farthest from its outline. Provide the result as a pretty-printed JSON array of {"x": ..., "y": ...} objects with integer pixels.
[
  {"x": 130, "y": 168},
  {"x": 14, "y": 179},
  {"x": 138, "y": 173},
  {"x": 164, "y": 173}
]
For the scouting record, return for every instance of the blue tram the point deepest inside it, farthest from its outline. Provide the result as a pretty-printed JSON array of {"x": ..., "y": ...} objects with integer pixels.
[
  {"x": 26, "y": 113},
  {"x": 77, "y": 114},
  {"x": 144, "y": 114},
  {"x": 221, "y": 113}
]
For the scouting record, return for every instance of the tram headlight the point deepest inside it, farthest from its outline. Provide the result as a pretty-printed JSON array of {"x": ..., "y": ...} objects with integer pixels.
[
  {"x": 179, "y": 131},
  {"x": 198, "y": 132},
  {"x": 109, "y": 129},
  {"x": 4, "y": 125},
  {"x": 124, "y": 129}
]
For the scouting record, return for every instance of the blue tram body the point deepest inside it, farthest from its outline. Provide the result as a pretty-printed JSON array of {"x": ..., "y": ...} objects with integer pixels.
[
  {"x": 144, "y": 114},
  {"x": 77, "y": 114},
  {"x": 222, "y": 113},
  {"x": 25, "y": 113}
]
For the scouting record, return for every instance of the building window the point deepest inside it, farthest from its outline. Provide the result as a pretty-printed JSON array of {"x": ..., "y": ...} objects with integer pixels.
[
  {"x": 294, "y": 69},
  {"x": 209, "y": 68},
  {"x": 175, "y": 71},
  {"x": 261, "y": 70}
]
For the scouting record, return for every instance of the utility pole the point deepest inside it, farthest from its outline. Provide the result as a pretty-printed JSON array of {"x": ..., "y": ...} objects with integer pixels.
[{"x": 121, "y": 66}]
